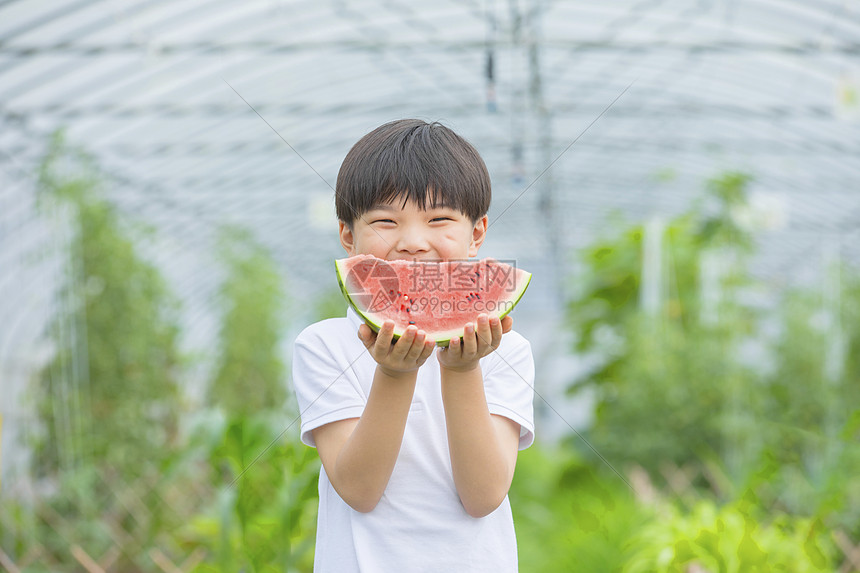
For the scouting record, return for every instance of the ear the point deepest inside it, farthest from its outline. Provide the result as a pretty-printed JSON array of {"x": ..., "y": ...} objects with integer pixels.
[
  {"x": 347, "y": 239},
  {"x": 479, "y": 233}
]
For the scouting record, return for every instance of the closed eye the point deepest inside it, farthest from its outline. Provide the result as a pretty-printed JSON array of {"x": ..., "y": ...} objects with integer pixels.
[
  {"x": 443, "y": 219},
  {"x": 382, "y": 221}
]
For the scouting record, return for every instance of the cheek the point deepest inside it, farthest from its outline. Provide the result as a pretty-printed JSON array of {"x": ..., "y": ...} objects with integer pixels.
[
  {"x": 460, "y": 235},
  {"x": 454, "y": 238},
  {"x": 376, "y": 241},
  {"x": 454, "y": 241}
]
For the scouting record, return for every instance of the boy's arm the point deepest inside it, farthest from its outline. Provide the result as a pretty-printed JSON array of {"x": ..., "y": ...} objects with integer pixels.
[
  {"x": 359, "y": 453},
  {"x": 483, "y": 446}
]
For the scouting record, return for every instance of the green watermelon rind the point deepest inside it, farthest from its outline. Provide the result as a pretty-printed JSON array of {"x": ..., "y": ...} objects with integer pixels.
[{"x": 444, "y": 342}]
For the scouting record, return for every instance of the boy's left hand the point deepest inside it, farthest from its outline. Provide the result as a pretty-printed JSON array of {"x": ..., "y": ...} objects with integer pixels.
[{"x": 476, "y": 343}]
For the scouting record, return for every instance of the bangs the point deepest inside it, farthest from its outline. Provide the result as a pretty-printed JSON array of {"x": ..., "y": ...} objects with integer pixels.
[{"x": 416, "y": 161}]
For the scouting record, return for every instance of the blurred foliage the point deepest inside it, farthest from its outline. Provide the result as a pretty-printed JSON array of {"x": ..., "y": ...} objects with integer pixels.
[
  {"x": 250, "y": 374},
  {"x": 672, "y": 386},
  {"x": 126, "y": 366},
  {"x": 108, "y": 402},
  {"x": 130, "y": 490},
  {"x": 666, "y": 388},
  {"x": 811, "y": 420},
  {"x": 330, "y": 304},
  {"x": 729, "y": 539},
  {"x": 264, "y": 513},
  {"x": 609, "y": 292},
  {"x": 570, "y": 515},
  {"x": 239, "y": 491},
  {"x": 262, "y": 516}
]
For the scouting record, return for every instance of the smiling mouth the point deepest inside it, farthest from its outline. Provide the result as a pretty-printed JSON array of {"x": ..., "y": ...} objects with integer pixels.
[{"x": 415, "y": 259}]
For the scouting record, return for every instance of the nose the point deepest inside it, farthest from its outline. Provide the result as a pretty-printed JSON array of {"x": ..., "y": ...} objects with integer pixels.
[{"x": 412, "y": 241}]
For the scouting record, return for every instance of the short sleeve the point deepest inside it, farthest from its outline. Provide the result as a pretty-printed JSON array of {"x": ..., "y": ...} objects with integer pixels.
[
  {"x": 509, "y": 384},
  {"x": 325, "y": 384}
]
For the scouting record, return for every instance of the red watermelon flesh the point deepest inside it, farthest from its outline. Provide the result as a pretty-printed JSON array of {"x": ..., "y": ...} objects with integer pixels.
[{"x": 439, "y": 297}]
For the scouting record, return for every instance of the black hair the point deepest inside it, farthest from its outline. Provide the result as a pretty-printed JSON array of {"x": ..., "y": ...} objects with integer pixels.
[{"x": 417, "y": 160}]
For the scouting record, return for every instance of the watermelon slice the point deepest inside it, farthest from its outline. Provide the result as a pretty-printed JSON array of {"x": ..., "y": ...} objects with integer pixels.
[{"x": 439, "y": 297}]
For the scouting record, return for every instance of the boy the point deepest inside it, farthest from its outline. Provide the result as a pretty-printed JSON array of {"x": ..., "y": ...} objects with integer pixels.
[{"x": 418, "y": 447}]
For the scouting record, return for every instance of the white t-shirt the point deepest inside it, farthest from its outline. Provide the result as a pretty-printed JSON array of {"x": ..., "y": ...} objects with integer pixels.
[{"x": 419, "y": 523}]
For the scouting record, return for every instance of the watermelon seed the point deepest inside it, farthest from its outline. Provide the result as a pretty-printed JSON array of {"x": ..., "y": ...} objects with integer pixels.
[{"x": 411, "y": 322}]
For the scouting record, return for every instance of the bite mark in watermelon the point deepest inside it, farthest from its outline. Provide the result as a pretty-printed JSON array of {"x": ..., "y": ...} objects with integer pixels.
[{"x": 439, "y": 297}]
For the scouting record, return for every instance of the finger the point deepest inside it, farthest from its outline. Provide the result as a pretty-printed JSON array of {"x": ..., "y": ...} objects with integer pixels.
[
  {"x": 455, "y": 348},
  {"x": 496, "y": 328},
  {"x": 366, "y": 335},
  {"x": 417, "y": 346},
  {"x": 401, "y": 348},
  {"x": 383, "y": 339},
  {"x": 507, "y": 323},
  {"x": 485, "y": 334},
  {"x": 429, "y": 346},
  {"x": 470, "y": 341}
]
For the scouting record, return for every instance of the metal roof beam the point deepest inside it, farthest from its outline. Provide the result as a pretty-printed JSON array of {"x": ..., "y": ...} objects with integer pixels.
[{"x": 803, "y": 48}]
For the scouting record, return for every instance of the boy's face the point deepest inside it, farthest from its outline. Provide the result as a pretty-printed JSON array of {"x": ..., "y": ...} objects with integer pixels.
[{"x": 392, "y": 232}]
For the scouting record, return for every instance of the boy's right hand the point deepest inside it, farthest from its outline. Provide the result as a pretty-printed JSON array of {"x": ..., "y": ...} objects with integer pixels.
[{"x": 406, "y": 355}]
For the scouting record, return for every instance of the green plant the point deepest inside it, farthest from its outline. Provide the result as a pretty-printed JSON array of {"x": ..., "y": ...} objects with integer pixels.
[
  {"x": 116, "y": 374},
  {"x": 250, "y": 375},
  {"x": 672, "y": 388},
  {"x": 262, "y": 515},
  {"x": 810, "y": 419},
  {"x": 669, "y": 387},
  {"x": 728, "y": 539},
  {"x": 108, "y": 402},
  {"x": 570, "y": 516}
]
